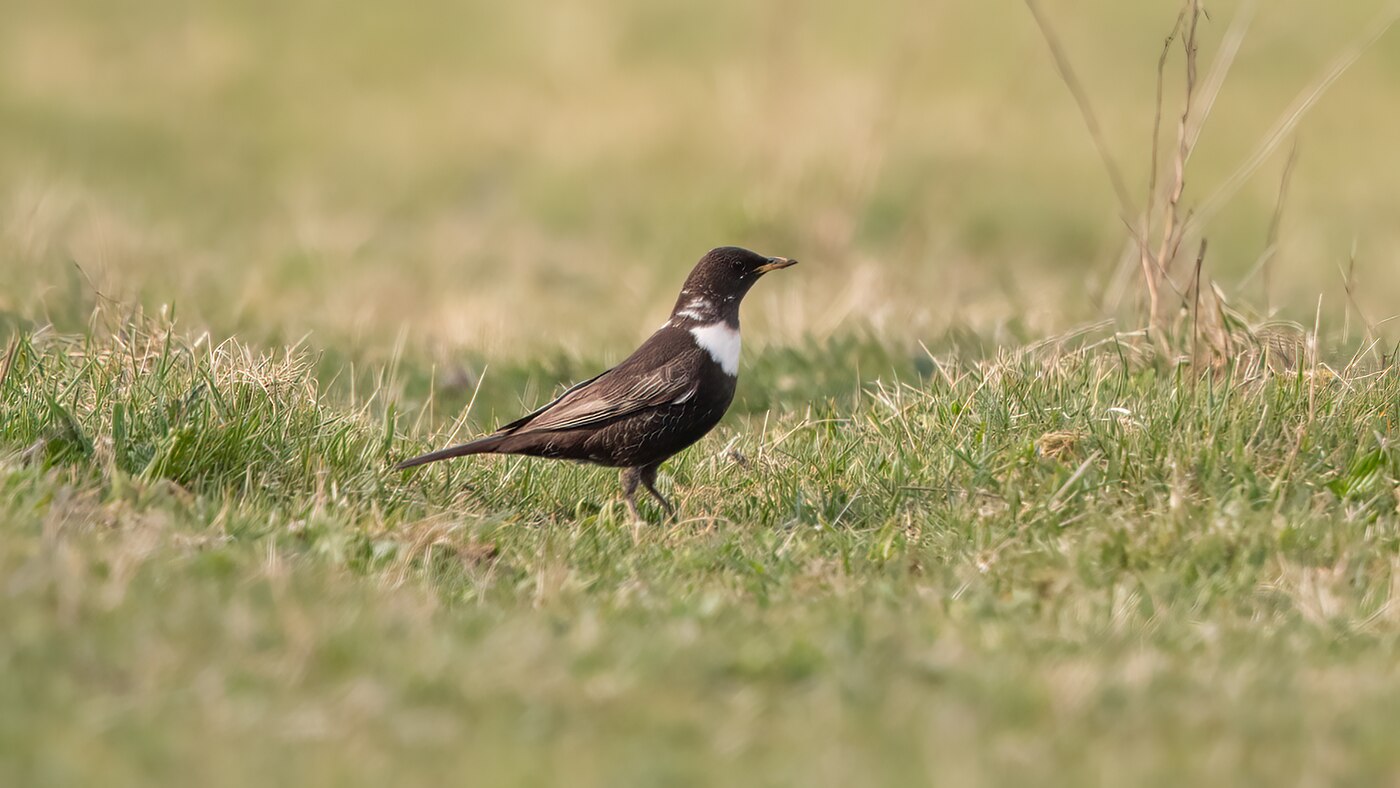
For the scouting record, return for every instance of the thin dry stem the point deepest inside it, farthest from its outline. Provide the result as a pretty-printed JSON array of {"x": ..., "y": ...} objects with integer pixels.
[
  {"x": 1210, "y": 90},
  {"x": 1226, "y": 336},
  {"x": 1086, "y": 110},
  {"x": 1296, "y": 111},
  {"x": 1157, "y": 124},
  {"x": 1196, "y": 309},
  {"x": 1171, "y": 230},
  {"x": 1151, "y": 266},
  {"x": 9, "y": 362},
  {"x": 1349, "y": 285},
  {"x": 1220, "y": 68},
  {"x": 1266, "y": 261}
]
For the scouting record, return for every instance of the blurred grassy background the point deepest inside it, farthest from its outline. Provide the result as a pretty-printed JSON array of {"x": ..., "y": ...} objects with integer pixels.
[
  {"x": 498, "y": 177},
  {"x": 1052, "y": 569}
]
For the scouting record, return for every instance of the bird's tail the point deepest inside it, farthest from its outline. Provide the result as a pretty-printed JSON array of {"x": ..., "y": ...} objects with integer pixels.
[{"x": 484, "y": 445}]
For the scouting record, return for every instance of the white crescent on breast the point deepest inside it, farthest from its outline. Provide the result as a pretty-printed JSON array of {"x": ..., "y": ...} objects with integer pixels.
[{"x": 721, "y": 341}]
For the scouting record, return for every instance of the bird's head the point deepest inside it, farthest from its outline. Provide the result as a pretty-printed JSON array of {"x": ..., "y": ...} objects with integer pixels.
[{"x": 719, "y": 282}]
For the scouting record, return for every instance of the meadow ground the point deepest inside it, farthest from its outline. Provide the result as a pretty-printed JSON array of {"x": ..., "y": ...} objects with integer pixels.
[{"x": 252, "y": 254}]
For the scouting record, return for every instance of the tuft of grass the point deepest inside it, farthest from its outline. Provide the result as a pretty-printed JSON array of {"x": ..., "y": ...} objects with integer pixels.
[{"x": 146, "y": 404}]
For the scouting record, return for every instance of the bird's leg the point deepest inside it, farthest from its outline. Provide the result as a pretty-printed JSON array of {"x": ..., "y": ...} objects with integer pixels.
[
  {"x": 648, "y": 478},
  {"x": 631, "y": 477}
]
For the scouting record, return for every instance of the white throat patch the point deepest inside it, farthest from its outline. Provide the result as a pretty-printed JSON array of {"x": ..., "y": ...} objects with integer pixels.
[{"x": 722, "y": 343}]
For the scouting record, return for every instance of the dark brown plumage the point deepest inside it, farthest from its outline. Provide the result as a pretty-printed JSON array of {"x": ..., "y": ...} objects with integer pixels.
[{"x": 659, "y": 400}]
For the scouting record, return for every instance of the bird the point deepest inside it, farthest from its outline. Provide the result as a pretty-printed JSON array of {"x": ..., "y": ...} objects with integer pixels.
[{"x": 660, "y": 400}]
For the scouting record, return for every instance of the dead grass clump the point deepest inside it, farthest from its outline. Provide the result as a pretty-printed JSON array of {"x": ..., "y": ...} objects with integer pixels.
[{"x": 1187, "y": 316}]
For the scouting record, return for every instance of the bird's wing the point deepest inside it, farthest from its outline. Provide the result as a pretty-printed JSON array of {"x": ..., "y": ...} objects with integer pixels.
[{"x": 621, "y": 391}]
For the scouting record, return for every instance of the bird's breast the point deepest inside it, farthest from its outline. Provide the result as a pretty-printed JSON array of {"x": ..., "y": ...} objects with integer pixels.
[{"x": 721, "y": 341}]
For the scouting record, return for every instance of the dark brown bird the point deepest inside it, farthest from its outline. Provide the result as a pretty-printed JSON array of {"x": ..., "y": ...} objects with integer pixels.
[{"x": 660, "y": 400}]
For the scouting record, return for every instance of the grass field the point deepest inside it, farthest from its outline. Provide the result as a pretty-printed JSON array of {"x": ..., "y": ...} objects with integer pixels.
[{"x": 962, "y": 526}]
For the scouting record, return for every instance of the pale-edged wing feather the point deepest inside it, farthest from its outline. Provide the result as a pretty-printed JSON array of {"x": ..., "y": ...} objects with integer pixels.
[
  {"x": 528, "y": 417},
  {"x": 618, "y": 392}
]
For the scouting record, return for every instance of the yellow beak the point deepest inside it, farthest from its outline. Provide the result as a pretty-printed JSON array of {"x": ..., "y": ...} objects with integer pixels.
[{"x": 774, "y": 263}]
